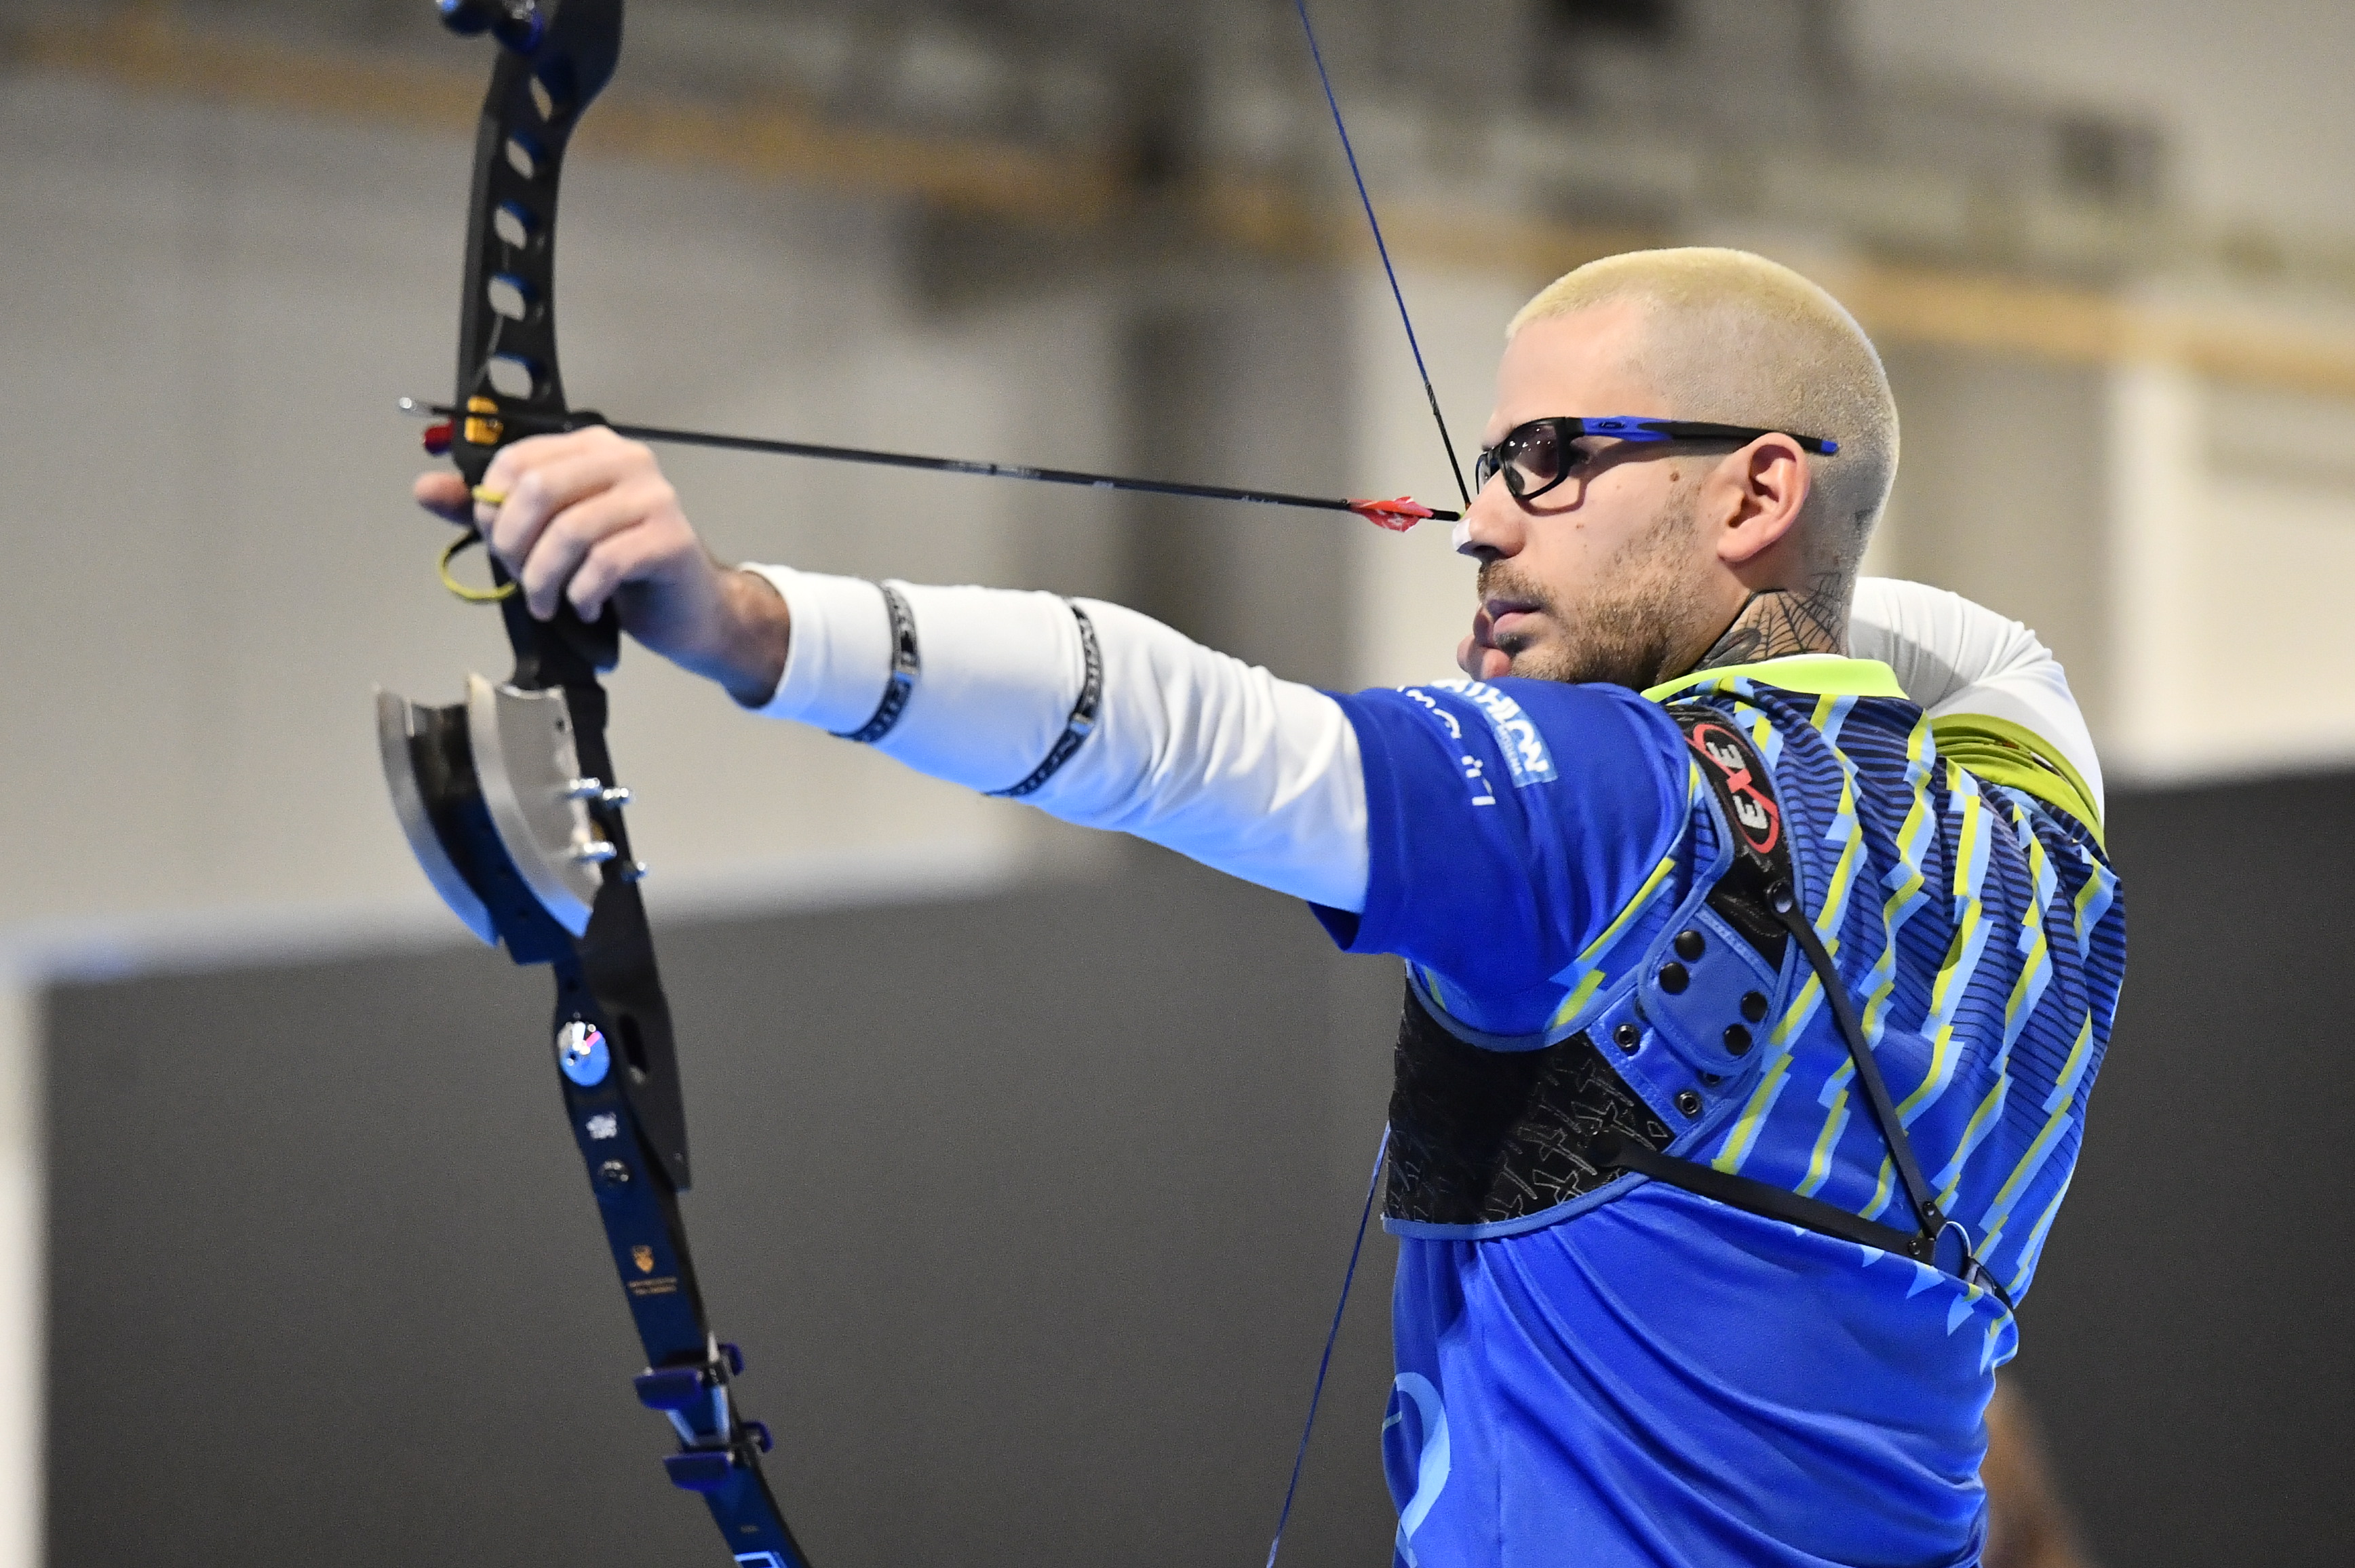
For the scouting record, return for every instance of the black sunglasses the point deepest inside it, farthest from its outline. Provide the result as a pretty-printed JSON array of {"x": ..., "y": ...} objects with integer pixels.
[{"x": 1537, "y": 456}]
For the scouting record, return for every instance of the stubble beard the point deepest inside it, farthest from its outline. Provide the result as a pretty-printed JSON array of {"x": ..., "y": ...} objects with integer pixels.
[{"x": 1624, "y": 630}]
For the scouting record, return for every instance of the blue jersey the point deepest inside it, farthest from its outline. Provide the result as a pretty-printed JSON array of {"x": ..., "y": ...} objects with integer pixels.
[{"x": 1641, "y": 1376}]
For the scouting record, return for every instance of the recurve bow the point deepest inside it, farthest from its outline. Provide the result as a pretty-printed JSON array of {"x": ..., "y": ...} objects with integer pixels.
[{"x": 508, "y": 798}]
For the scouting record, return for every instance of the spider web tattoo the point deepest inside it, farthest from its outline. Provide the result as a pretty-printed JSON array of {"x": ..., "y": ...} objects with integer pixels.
[{"x": 1783, "y": 621}]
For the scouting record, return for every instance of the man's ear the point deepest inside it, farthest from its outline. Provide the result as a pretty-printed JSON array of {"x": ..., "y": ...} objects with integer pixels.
[{"x": 1765, "y": 487}]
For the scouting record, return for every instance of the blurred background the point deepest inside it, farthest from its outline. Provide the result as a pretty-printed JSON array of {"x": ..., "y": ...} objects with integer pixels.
[{"x": 1025, "y": 1162}]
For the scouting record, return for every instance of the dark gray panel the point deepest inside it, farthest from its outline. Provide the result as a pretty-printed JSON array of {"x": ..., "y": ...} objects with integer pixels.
[
  {"x": 1026, "y": 1211},
  {"x": 2186, "y": 1344}
]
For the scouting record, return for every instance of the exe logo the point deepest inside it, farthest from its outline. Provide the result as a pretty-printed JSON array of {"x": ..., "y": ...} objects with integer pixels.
[
  {"x": 645, "y": 1258},
  {"x": 1755, "y": 812}
]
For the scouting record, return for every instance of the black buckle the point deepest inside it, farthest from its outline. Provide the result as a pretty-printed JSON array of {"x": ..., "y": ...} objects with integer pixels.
[{"x": 1967, "y": 1265}]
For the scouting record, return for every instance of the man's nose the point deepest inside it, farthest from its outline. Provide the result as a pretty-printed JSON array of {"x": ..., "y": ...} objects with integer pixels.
[{"x": 1492, "y": 524}]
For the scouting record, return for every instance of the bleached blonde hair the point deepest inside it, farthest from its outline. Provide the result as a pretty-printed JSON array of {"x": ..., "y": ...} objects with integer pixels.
[{"x": 1734, "y": 338}]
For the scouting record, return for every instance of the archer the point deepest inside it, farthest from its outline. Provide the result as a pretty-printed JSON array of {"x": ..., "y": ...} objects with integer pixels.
[{"x": 1761, "y": 943}]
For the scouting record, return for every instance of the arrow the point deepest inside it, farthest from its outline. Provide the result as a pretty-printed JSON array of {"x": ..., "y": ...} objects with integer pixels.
[{"x": 1398, "y": 515}]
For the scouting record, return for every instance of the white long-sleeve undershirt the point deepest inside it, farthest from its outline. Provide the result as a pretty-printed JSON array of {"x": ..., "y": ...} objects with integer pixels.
[
  {"x": 1955, "y": 656},
  {"x": 1222, "y": 761}
]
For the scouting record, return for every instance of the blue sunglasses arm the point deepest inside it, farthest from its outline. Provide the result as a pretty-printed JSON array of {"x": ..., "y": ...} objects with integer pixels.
[{"x": 1628, "y": 427}]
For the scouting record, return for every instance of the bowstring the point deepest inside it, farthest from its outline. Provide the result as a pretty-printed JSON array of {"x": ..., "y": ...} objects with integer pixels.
[
  {"x": 1455, "y": 472},
  {"x": 1324, "y": 1363},
  {"x": 1455, "y": 469}
]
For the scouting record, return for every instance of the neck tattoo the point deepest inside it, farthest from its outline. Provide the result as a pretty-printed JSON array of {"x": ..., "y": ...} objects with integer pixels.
[{"x": 1782, "y": 621}]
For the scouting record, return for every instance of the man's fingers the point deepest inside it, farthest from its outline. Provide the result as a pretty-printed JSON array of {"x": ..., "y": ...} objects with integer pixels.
[
  {"x": 615, "y": 560},
  {"x": 443, "y": 494},
  {"x": 559, "y": 547},
  {"x": 642, "y": 506},
  {"x": 543, "y": 475},
  {"x": 577, "y": 515},
  {"x": 1478, "y": 657},
  {"x": 1481, "y": 662}
]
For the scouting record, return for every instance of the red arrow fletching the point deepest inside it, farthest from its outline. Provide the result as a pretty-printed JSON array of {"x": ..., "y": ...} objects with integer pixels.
[{"x": 1397, "y": 516}]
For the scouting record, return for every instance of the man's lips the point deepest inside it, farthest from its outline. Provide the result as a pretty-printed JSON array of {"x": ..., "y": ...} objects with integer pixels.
[{"x": 1511, "y": 618}]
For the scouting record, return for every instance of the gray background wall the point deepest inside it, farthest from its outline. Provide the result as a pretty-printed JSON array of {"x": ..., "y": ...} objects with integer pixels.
[
  {"x": 2186, "y": 1341},
  {"x": 1029, "y": 1210}
]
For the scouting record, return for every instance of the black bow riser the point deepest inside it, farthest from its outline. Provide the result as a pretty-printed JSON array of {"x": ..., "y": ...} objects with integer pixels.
[{"x": 508, "y": 798}]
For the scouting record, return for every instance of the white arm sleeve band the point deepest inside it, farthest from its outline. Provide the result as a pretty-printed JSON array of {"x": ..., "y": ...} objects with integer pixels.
[
  {"x": 1191, "y": 750},
  {"x": 1953, "y": 657}
]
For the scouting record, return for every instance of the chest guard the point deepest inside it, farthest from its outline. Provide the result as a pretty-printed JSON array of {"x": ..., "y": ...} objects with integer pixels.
[{"x": 1492, "y": 1137}]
